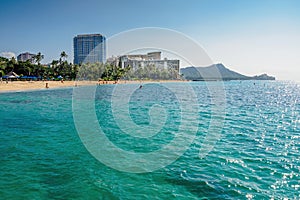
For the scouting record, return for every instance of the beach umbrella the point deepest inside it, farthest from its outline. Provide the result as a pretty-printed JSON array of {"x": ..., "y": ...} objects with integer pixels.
[{"x": 28, "y": 77}]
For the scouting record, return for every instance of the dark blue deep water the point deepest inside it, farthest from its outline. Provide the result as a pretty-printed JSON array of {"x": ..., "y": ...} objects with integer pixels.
[{"x": 257, "y": 156}]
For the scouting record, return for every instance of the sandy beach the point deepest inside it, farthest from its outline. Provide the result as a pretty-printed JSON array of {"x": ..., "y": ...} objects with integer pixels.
[
  {"x": 14, "y": 86},
  {"x": 37, "y": 85}
]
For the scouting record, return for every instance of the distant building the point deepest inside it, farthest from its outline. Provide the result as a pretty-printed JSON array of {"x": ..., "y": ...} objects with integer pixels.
[
  {"x": 26, "y": 56},
  {"x": 144, "y": 60},
  {"x": 89, "y": 48},
  {"x": 148, "y": 56}
]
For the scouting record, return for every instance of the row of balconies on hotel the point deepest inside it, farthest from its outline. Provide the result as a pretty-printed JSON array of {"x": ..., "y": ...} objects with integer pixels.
[
  {"x": 135, "y": 64},
  {"x": 142, "y": 60}
]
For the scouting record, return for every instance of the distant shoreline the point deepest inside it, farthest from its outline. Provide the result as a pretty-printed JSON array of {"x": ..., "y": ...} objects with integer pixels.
[{"x": 22, "y": 86}]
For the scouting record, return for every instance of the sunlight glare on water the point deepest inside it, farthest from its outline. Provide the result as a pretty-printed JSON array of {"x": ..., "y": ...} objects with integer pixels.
[{"x": 257, "y": 156}]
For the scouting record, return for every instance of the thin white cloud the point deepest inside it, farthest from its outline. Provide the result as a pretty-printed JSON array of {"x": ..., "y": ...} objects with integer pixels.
[{"x": 8, "y": 54}]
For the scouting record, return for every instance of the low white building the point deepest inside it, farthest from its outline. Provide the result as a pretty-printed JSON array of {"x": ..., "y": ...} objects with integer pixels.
[{"x": 144, "y": 60}]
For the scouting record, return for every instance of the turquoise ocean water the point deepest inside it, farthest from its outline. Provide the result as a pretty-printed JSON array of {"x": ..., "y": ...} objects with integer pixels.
[{"x": 257, "y": 157}]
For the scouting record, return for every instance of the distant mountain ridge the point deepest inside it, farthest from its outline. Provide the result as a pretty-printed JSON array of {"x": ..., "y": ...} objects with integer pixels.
[{"x": 218, "y": 72}]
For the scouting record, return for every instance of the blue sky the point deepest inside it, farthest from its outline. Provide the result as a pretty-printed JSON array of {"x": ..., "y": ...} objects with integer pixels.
[{"x": 250, "y": 37}]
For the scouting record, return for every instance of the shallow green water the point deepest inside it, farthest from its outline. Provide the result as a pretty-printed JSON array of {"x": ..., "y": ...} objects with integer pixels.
[{"x": 42, "y": 156}]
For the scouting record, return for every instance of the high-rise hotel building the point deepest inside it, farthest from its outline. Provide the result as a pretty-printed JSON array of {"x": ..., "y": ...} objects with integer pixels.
[
  {"x": 89, "y": 48},
  {"x": 26, "y": 56}
]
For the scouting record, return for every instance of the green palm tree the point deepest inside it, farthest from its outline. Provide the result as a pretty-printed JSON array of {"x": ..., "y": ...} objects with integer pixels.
[
  {"x": 13, "y": 60},
  {"x": 38, "y": 58},
  {"x": 3, "y": 68},
  {"x": 2, "y": 73},
  {"x": 55, "y": 67},
  {"x": 63, "y": 56},
  {"x": 54, "y": 63}
]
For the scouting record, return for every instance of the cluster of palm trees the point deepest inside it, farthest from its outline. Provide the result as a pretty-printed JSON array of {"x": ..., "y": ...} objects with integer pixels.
[
  {"x": 96, "y": 71},
  {"x": 62, "y": 68},
  {"x": 34, "y": 68},
  {"x": 110, "y": 72}
]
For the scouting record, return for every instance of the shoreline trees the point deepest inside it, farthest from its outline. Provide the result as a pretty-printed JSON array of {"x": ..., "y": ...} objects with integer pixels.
[
  {"x": 87, "y": 71},
  {"x": 37, "y": 71}
]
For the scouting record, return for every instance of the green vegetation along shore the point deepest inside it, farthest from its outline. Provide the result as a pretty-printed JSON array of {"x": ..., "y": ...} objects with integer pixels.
[{"x": 61, "y": 69}]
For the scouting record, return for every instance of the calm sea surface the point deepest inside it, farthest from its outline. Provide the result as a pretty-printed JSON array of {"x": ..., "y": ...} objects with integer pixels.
[{"x": 257, "y": 156}]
